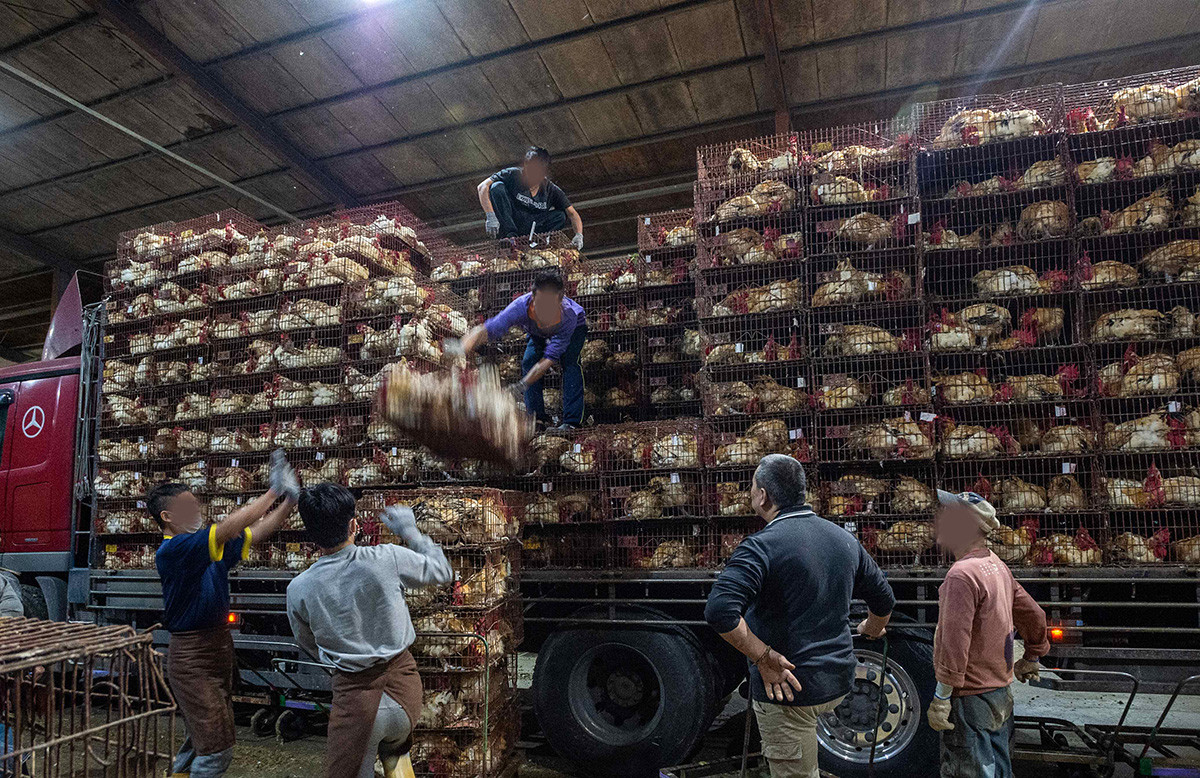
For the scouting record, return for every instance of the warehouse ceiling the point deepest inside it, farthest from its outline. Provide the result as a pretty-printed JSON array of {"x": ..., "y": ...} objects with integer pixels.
[{"x": 309, "y": 104}]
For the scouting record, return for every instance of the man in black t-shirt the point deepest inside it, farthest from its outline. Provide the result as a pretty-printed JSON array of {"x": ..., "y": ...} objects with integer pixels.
[{"x": 518, "y": 200}]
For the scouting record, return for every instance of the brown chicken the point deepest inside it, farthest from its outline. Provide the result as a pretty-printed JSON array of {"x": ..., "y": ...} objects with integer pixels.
[
  {"x": 1110, "y": 274},
  {"x": 1065, "y": 495},
  {"x": 906, "y": 537},
  {"x": 1011, "y": 545},
  {"x": 912, "y": 496},
  {"x": 866, "y": 229},
  {"x": 1172, "y": 258},
  {"x": 963, "y": 388},
  {"x": 1044, "y": 219},
  {"x": 1014, "y": 495}
]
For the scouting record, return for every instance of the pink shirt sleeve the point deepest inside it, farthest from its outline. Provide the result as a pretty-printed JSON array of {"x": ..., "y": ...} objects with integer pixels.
[
  {"x": 1030, "y": 621},
  {"x": 957, "y": 600}
]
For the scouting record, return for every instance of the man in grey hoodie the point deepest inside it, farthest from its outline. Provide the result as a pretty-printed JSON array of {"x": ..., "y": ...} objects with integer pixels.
[{"x": 348, "y": 609}]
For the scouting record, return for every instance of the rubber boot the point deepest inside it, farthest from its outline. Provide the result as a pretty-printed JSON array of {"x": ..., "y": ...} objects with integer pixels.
[{"x": 397, "y": 766}]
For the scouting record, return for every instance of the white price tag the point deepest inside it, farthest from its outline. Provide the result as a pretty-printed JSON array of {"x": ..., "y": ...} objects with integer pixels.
[
  {"x": 800, "y": 382},
  {"x": 675, "y": 440},
  {"x": 239, "y": 500},
  {"x": 850, "y": 527},
  {"x": 141, "y": 438},
  {"x": 795, "y": 434},
  {"x": 695, "y": 530},
  {"x": 143, "y": 448},
  {"x": 914, "y": 218},
  {"x": 927, "y": 416},
  {"x": 718, "y": 231},
  {"x": 395, "y": 451},
  {"x": 141, "y": 504},
  {"x": 577, "y": 448},
  {"x": 1068, "y": 467},
  {"x": 647, "y": 221},
  {"x": 1174, "y": 406},
  {"x": 547, "y": 486},
  {"x": 199, "y": 360},
  {"x": 738, "y": 348},
  {"x": 233, "y": 463},
  {"x": 320, "y": 456},
  {"x": 674, "y": 478},
  {"x": 1060, "y": 411},
  {"x": 872, "y": 286},
  {"x": 907, "y": 416}
]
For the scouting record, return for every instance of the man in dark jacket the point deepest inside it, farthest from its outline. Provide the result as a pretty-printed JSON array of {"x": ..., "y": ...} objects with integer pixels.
[
  {"x": 783, "y": 600},
  {"x": 520, "y": 200}
]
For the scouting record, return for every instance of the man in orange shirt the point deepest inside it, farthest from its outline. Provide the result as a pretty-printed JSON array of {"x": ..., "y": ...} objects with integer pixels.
[{"x": 978, "y": 605}]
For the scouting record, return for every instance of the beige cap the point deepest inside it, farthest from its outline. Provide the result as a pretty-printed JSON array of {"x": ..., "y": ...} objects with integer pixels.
[{"x": 983, "y": 510}]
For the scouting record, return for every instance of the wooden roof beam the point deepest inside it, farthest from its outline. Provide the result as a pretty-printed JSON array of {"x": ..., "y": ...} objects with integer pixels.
[
  {"x": 775, "y": 83},
  {"x": 125, "y": 18},
  {"x": 19, "y": 244}
]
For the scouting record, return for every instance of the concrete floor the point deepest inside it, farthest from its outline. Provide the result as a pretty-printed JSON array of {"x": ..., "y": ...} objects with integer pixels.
[{"x": 265, "y": 758}]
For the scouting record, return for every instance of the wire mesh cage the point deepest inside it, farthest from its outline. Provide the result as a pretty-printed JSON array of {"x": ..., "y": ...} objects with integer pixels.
[
  {"x": 1057, "y": 375},
  {"x": 896, "y": 381},
  {"x": 861, "y": 163},
  {"x": 1151, "y": 510},
  {"x": 83, "y": 700},
  {"x": 889, "y": 435},
  {"x": 666, "y": 233},
  {"x": 386, "y": 236},
  {"x": 739, "y": 166},
  {"x": 1145, "y": 98},
  {"x": 547, "y": 545},
  {"x": 982, "y": 119},
  {"x": 1158, "y": 315},
  {"x": 458, "y": 515},
  {"x": 970, "y": 432},
  {"x": 1002, "y": 324}
]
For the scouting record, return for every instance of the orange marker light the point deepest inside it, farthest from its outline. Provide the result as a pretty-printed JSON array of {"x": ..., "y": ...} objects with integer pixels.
[
  {"x": 233, "y": 619},
  {"x": 1056, "y": 633}
]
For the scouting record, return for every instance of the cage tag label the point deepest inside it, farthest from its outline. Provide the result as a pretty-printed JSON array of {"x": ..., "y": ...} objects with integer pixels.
[
  {"x": 1174, "y": 406},
  {"x": 1060, "y": 411},
  {"x": 394, "y": 451},
  {"x": 850, "y": 527},
  {"x": 800, "y": 382},
  {"x": 695, "y": 530},
  {"x": 547, "y": 487},
  {"x": 914, "y": 218},
  {"x": 233, "y": 463},
  {"x": 739, "y": 347},
  {"x": 320, "y": 456},
  {"x": 1068, "y": 467},
  {"x": 647, "y": 221},
  {"x": 927, "y": 416},
  {"x": 141, "y": 504},
  {"x": 577, "y": 448},
  {"x": 674, "y": 478}
]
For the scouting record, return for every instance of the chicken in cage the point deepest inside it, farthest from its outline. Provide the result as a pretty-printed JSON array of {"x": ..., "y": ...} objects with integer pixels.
[
  {"x": 1013, "y": 544},
  {"x": 846, "y": 285},
  {"x": 306, "y": 312},
  {"x": 126, "y": 411},
  {"x": 870, "y": 230},
  {"x": 743, "y": 161},
  {"x": 1144, "y": 324},
  {"x": 767, "y": 197},
  {"x": 120, "y": 483},
  {"x": 1152, "y": 212},
  {"x": 898, "y": 437},
  {"x": 1138, "y": 375},
  {"x": 1078, "y": 550},
  {"x": 122, "y": 450},
  {"x": 858, "y": 340},
  {"x": 1178, "y": 260},
  {"x": 977, "y": 126}
]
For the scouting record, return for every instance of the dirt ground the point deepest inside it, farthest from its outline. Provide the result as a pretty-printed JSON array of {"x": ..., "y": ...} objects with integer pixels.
[{"x": 264, "y": 757}]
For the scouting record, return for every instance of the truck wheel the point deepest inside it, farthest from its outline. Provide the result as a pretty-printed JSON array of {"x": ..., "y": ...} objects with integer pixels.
[
  {"x": 906, "y": 746},
  {"x": 623, "y": 702},
  {"x": 34, "y": 602}
]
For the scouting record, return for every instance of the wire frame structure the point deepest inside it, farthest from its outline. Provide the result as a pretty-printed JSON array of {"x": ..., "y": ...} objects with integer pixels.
[
  {"x": 1130, "y": 101},
  {"x": 82, "y": 700},
  {"x": 1152, "y": 509},
  {"x": 860, "y": 163},
  {"x": 738, "y": 166},
  {"x": 470, "y": 515},
  {"x": 666, "y": 232},
  {"x": 980, "y": 119}
]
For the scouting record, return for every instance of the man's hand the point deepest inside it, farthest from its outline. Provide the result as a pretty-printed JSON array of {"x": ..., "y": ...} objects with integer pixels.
[
  {"x": 281, "y": 478},
  {"x": 492, "y": 225},
  {"x": 517, "y": 390},
  {"x": 777, "y": 676},
  {"x": 577, "y": 241},
  {"x": 867, "y": 631},
  {"x": 939, "y": 715},
  {"x": 402, "y": 522},
  {"x": 1027, "y": 670}
]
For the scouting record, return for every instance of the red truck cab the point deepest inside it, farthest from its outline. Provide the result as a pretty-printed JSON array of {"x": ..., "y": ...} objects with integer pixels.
[{"x": 38, "y": 410}]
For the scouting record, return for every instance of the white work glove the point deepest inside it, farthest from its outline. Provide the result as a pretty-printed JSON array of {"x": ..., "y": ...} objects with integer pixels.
[
  {"x": 282, "y": 478},
  {"x": 517, "y": 390},
  {"x": 577, "y": 241},
  {"x": 492, "y": 225},
  {"x": 402, "y": 522},
  {"x": 939, "y": 715},
  {"x": 1027, "y": 670}
]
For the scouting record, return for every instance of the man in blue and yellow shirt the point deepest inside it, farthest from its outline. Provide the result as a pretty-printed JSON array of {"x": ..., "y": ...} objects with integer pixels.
[{"x": 193, "y": 564}]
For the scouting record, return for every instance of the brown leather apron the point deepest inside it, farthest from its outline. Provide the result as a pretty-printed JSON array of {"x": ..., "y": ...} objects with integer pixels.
[
  {"x": 200, "y": 670},
  {"x": 356, "y": 699}
]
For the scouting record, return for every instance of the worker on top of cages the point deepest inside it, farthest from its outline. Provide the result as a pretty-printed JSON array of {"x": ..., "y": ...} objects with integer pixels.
[
  {"x": 194, "y": 566},
  {"x": 523, "y": 200},
  {"x": 783, "y": 600},
  {"x": 348, "y": 608},
  {"x": 556, "y": 329},
  {"x": 979, "y": 603}
]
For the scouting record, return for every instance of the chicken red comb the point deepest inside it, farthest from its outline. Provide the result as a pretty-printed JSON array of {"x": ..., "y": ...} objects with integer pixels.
[{"x": 1084, "y": 541}]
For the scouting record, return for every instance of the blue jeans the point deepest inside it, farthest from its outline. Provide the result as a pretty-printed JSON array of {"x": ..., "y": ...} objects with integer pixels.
[
  {"x": 515, "y": 222},
  {"x": 979, "y": 744},
  {"x": 572, "y": 391},
  {"x": 206, "y": 766}
]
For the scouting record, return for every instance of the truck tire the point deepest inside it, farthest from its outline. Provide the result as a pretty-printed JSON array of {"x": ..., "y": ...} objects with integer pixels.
[
  {"x": 908, "y": 746},
  {"x": 623, "y": 702},
  {"x": 34, "y": 602}
]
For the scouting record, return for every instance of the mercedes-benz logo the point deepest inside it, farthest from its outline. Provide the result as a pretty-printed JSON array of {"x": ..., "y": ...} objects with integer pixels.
[{"x": 33, "y": 421}]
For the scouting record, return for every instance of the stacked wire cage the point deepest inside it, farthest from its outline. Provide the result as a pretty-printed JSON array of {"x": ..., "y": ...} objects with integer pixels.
[
  {"x": 467, "y": 632},
  {"x": 225, "y": 340},
  {"x": 670, "y": 346}
]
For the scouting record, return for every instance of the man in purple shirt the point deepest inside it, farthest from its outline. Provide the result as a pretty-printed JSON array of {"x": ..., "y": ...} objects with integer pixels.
[{"x": 556, "y": 329}]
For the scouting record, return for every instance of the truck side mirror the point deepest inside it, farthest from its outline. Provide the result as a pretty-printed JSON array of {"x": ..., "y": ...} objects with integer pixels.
[{"x": 7, "y": 397}]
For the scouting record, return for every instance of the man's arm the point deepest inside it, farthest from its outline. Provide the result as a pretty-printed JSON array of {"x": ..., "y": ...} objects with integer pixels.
[
  {"x": 10, "y": 596},
  {"x": 242, "y": 518},
  {"x": 738, "y": 583},
  {"x": 1030, "y": 621},
  {"x": 537, "y": 371},
  {"x": 576, "y": 220},
  {"x": 474, "y": 339},
  {"x": 268, "y": 525},
  {"x": 485, "y": 199},
  {"x": 952, "y": 638},
  {"x": 872, "y": 587}
]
